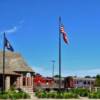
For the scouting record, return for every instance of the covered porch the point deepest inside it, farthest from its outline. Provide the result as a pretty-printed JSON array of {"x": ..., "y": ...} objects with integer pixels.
[
  {"x": 25, "y": 79},
  {"x": 10, "y": 80}
]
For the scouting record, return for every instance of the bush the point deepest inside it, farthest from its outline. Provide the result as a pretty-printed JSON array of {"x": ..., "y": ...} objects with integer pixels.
[
  {"x": 51, "y": 95},
  {"x": 43, "y": 94},
  {"x": 70, "y": 95},
  {"x": 4, "y": 96},
  {"x": 94, "y": 95},
  {"x": 25, "y": 95},
  {"x": 81, "y": 91},
  {"x": 14, "y": 95}
]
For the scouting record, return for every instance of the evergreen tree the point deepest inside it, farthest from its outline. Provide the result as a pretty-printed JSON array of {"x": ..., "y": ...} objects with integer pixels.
[{"x": 97, "y": 83}]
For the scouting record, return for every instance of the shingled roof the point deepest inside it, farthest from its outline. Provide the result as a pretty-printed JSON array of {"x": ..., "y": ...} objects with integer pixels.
[
  {"x": 9, "y": 72},
  {"x": 14, "y": 62}
]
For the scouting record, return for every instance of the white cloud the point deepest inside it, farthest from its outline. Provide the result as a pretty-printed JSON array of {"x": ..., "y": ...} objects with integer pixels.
[
  {"x": 14, "y": 28},
  {"x": 11, "y": 30}
]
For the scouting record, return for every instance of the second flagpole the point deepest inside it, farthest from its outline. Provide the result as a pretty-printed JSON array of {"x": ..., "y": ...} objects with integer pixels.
[{"x": 59, "y": 55}]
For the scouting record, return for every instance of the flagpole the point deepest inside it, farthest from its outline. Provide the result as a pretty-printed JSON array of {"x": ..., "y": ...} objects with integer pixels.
[
  {"x": 3, "y": 63},
  {"x": 59, "y": 54}
]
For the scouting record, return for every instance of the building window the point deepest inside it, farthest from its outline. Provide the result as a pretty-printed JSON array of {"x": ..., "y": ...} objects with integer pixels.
[
  {"x": 88, "y": 82},
  {"x": 84, "y": 82},
  {"x": 92, "y": 83}
]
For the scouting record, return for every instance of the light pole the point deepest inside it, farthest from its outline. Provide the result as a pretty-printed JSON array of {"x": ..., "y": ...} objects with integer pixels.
[{"x": 53, "y": 62}]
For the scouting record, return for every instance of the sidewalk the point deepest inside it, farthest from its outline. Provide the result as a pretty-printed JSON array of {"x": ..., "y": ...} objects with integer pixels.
[{"x": 81, "y": 98}]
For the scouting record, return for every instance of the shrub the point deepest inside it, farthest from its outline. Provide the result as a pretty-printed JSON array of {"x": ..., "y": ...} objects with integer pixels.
[
  {"x": 81, "y": 91},
  {"x": 26, "y": 96},
  {"x": 42, "y": 94},
  {"x": 94, "y": 95},
  {"x": 14, "y": 95},
  {"x": 70, "y": 95},
  {"x": 51, "y": 95},
  {"x": 4, "y": 96}
]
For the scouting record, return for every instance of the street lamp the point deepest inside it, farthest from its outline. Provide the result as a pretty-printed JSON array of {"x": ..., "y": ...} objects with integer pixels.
[{"x": 53, "y": 62}]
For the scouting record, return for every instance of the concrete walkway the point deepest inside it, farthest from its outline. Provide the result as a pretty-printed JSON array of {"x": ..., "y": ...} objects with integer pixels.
[
  {"x": 81, "y": 98},
  {"x": 35, "y": 98}
]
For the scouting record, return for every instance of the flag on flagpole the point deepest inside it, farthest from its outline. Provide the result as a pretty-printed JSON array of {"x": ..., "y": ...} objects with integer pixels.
[
  {"x": 8, "y": 45},
  {"x": 64, "y": 34}
]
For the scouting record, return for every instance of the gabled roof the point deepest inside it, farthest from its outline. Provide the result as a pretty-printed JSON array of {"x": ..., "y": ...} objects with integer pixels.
[{"x": 14, "y": 62}]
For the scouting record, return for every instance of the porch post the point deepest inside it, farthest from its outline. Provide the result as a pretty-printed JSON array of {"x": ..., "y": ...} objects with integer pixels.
[
  {"x": 21, "y": 81},
  {"x": 25, "y": 81},
  {"x": 18, "y": 82},
  {"x": 7, "y": 83},
  {"x": 28, "y": 81},
  {"x": 32, "y": 80}
]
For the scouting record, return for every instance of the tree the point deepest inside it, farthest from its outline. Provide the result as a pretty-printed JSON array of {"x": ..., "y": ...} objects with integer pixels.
[
  {"x": 57, "y": 76},
  {"x": 97, "y": 82},
  {"x": 88, "y": 76}
]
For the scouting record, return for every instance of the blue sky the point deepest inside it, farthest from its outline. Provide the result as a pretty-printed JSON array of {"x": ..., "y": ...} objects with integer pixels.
[{"x": 32, "y": 28}]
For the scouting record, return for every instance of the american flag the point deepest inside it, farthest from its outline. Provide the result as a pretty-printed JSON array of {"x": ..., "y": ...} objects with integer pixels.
[{"x": 65, "y": 38}]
